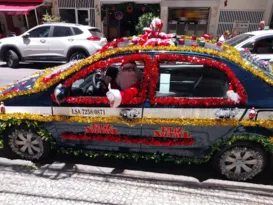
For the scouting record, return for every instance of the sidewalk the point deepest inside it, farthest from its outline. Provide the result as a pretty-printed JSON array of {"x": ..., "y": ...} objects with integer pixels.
[{"x": 60, "y": 183}]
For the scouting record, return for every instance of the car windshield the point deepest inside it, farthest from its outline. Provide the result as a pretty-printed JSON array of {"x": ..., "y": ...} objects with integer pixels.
[
  {"x": 95, "y": 32},
  {"x": 238, "y": 39}
]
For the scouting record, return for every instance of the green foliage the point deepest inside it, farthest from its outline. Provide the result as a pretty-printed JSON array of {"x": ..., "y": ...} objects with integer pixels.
[
  {"x": 29, "y": 124},
  {"x": 144, "y": 21},
  {"x": 51, "y": 18},
  {"x": 157, "y": 157}
]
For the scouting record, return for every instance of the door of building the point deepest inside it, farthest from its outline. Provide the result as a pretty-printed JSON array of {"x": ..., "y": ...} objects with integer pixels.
[{"x": 83, "y": 16}]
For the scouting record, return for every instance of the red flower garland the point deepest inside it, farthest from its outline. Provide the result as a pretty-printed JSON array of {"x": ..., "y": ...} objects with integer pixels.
[
  {"x": 129, "y": 140},
  {"x": 101, "y": 64},
  {"x": 51, "y": 77},
  {"x": 153, "y": 78},
  {"x": 194, "y": 101}
]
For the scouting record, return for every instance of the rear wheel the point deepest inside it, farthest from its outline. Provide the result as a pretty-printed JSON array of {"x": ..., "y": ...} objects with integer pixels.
[
  {"x": 26, "y": 144},
  {"x": 12, "y": 59},
  {"x": 78, "y": 55},
  {"x": 240, "y": 161}
]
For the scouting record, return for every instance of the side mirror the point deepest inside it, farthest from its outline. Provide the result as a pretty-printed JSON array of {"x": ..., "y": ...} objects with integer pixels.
[
  {"x": 25, "y": 35},
  {"x": 60, "y": 93}
]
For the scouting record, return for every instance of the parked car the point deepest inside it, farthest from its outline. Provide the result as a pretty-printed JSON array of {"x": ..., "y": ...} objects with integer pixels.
[
  {"x": 174, "y": 117},
  {"x": 51, "y": 42},
  {"x": 259, "y": 43}
]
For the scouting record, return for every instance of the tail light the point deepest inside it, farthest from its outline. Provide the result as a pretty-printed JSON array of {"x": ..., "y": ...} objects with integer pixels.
[{"x": 94, "y": 38}]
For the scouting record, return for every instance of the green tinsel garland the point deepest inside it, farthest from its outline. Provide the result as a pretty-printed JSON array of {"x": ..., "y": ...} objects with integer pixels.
[{"x": 265, "y": 142}]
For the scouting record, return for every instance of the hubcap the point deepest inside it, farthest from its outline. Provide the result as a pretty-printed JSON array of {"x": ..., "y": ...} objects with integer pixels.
[
  {"x": 26, "y": 144},
  {"x": 241, "y": 163},
  {"x": 9, "y": 59},
  {"x": 78, "y": 56}
]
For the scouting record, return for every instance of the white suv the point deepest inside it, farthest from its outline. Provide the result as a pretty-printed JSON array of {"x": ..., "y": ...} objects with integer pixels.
[
  {"x": 52, "y": 42},
  {"x": 259, "y": 43}
]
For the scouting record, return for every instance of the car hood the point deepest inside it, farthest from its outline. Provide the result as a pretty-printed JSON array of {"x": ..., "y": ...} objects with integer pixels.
[
  {"x": 27, "y": 84},
  {"x": 9, "y": 39}
]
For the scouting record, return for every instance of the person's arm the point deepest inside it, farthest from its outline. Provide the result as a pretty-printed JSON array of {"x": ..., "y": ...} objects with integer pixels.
[{"x": 128, "y": 94}]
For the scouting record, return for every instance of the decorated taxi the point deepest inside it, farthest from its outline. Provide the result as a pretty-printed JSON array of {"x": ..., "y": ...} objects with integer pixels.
[{"x": 155, "y": 96}]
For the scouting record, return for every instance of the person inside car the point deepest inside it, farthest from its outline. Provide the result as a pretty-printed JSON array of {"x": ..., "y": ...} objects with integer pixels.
[{"x": 123, "y": 84}]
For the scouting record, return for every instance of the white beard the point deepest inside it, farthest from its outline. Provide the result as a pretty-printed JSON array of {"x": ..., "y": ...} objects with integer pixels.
[{"x": 126, "y": 79}]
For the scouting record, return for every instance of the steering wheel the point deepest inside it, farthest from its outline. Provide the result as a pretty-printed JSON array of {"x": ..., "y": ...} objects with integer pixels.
[{"x": 97, "y": 80}]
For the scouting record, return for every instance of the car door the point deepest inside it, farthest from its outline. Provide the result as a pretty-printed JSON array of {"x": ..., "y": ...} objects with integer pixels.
[
  {"x": 262, "y": 47},
  {"x": 35, "y": 44},
  {"x": 60, "y": 41},
  {"x": 93, "y": 123},
  {"x": 187, "y": 102}
]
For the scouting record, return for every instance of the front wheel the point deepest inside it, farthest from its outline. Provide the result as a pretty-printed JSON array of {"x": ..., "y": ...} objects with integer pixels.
[
  {"x": 241, "y": 161},
  {"x": 12, "y": 59},
  {"x": 26, "y": 144}
]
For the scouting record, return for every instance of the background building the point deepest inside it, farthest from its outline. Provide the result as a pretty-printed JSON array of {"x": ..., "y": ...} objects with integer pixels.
[
  {"x": 214, "y": 16},
  {"x": 16, "y": 16}
]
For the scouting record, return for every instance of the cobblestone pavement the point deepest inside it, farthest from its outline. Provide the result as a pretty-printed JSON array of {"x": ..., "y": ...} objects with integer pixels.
[{"x": 25, "y": 185}]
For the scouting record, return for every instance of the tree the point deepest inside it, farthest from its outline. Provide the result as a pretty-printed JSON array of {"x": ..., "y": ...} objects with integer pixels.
[
  {"x": 51, "y": 18},
  {"x": 144, "y": 21}
]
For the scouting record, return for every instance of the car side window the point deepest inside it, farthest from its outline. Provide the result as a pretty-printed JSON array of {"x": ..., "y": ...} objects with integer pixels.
[
  {"x": 90, "y": 84},
  {"x": 62, "y": 31},
  {"x": 77, "y": 31},
  {"x": 96, "y": 83},
  {"x": 263, "y": 46},
  {"x": 180, "y": 79},
  {"x": 41, "y": 32}
]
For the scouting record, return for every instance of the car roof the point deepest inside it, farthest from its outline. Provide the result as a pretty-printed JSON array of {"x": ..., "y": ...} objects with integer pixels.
[
  {"x": 69, "y": 25},
  {"x": 260, "y": 33}
]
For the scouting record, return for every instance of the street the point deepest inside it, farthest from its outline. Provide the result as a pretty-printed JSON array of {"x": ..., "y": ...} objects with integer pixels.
[
  {"x": 23, "y": 182},
  {"x": 81, "y": 180},
  {"x": 9, "y": 75}
]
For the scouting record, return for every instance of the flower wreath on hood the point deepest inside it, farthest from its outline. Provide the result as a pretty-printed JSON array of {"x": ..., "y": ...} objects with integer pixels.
[{"x": 153, "y": 36}]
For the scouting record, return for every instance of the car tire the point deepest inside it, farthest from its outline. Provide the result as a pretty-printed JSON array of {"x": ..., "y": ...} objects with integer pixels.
[
  {"x": 78, "y": 55},
  {"x": 240, "y": 161},
  {"x": 12, "y": 59},
  {"x": 25, "y": 143}
]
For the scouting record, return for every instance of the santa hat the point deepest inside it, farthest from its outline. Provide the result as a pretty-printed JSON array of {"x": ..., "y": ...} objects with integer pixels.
[{"x": 231, "y": 95}]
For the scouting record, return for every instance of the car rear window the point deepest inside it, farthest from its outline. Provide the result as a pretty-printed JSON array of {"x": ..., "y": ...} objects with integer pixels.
[
  {"x": 238, "y": 39},
  {"x": 95, "y": 32}
]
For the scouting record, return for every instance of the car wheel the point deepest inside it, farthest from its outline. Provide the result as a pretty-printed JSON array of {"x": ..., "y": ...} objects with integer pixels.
[
  {"x": 12, "y": 59},
  {"x": 77, "y": 56},
  {"x": 241, "y": 161},
  {"x": 26, "y": 144}
]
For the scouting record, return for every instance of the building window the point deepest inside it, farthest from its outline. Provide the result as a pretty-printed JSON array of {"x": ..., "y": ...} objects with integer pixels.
[
  {"x": 188, "y": 21},
  {"x": 68, "y": 15}
]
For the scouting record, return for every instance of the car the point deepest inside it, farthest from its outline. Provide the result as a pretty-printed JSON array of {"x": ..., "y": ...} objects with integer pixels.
[
  {"x": 173, "y": 117},
  {"x": 52, "y": 42},
  {"x": 259, "y": 43}
]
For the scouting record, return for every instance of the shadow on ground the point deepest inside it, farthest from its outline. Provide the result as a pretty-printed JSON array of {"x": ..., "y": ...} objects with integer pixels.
[{"x": 201, "y": 172}]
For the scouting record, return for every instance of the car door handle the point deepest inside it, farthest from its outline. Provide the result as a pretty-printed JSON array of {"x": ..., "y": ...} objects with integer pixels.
[
  {"x": 71, "y": 39},
  {"x": 43, "y": 41}
]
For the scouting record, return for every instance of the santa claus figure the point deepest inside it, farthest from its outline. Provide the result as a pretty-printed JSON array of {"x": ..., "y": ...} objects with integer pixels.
[
  {"x": 153, "y": 36},
  {"x": 123, "y": 85}
]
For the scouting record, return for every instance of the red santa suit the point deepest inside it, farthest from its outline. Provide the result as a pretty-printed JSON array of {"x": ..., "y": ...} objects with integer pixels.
[{"x": 125, "y": 86}]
